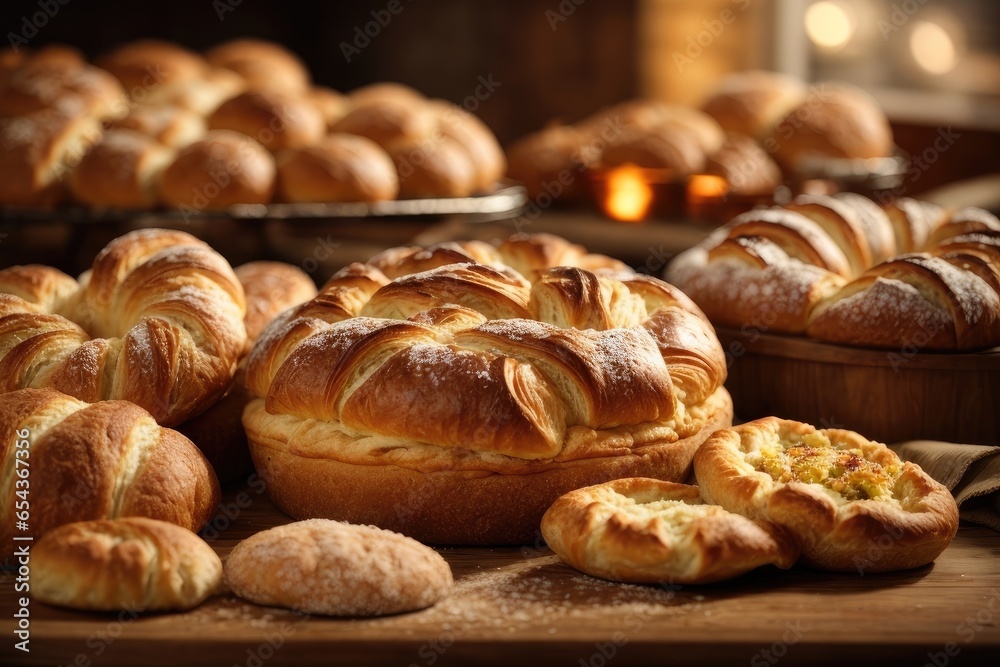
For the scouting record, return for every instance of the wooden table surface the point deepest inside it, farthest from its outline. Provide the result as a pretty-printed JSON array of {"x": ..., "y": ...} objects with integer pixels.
[{"x": 522, "y": 605}]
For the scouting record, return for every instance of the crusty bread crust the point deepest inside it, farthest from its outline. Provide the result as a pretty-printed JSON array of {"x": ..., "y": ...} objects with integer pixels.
[
  {"x": 907, "y": 528},
  {"x": 649, "y": 531}
]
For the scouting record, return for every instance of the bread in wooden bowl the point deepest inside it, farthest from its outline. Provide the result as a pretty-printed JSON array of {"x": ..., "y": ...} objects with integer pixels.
[
  {"x": 157, "y": 320},
  {"x": 103, "y": 460},
  {"x": 649, "y": 531},
  {"x": 843, "y": 270},
  {"x": 477, "y": 395},
  {"x": 850, "y": 503},
  {"x": 134, "y": 563},
  {"x": 337, "y": 569}
]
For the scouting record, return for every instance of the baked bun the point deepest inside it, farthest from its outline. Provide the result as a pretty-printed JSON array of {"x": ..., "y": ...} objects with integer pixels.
[
  {"x": 388, "y": 122},
  {"x": 337, "y": 168},
  {"x": 72, "y": 89},
  {"x": 38, "y": 151},
  {"x": 480, "y": 397},
  {"x": 202, "y": 95},
  {"x": 146, "y": 64},
  {"x": 277, "y": 120},
  {"x": 836, "y": 493},
  {"x": 551, "y": 162},
  {"x": 833, "y": 121},
  {"x": 476, "y": 139},
  {"x": 747, "y": 168},
  {"x": 752, "y": 103},
  {"x": 158, "y": 321},
  {"x": 337, "y": 569},
  {"x": 331, "y": 104},
  {"x": 262, "y": 65},
  {"x": 647, "y": 531},
  {"x": 133, "y": 564},
  {"x": 122, "y": 171},
  {"x": 171, "y": 126},
  {"x": 271, "y": 288},
  {"x": 671, "y": 147},
  {"x": 386, "y": 90},
  {"x": 221, "y": 169},
  {"x": 433, "y": 168},
  {"x": 100, "y": 461}
]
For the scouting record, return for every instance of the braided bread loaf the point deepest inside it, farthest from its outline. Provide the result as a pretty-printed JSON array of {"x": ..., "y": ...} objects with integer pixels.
[
  {"x": 844, "y": 270},
  {"x": 455, "y": 404},
  {"x": 99, "y": 461},
  {"x": 158, "y": 321}
]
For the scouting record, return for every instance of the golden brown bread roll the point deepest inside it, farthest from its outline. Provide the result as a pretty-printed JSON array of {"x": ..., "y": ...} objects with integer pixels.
[
  {"x": 337, "y": 168},
  {"x": 277, "y": 120},
  {"x": 669, "y": 146},
  {"x": 433, "y": 168},
  {"x": 262, "y": 65},
  {"x": 476, "y": 139},
  {"x": 552, "y": 162},
  {"x": 171, "y": 126},
  {"x": 221, "y": 169},
  {"x": 751, "y": 103},
  {"x": 271, "y": 288},
  {"x": 833, "y": 121},
  {"x": 388, "y": 121},
  {"x": 121, "y": 171},
  {"x": 38, "y": 151},
  {"x": 331, "y": 104},
  {"x": 158, "y": 321},
  {"x": 496, "y": 394},
  {"x": 747, "y": 167},
  {"x": 133, "y": 563},
  {"x": 337, "y": 569},
  {"x": 826, "y": 274},
  {"x": 73, "y": 89},
  {"x": 849, "y": 503},
  {"x": 99, "y": 461},
  {"x": 201, "y": 95},
  {"x": 386, "y": 90},
  {"x": 146, "y": 64},
  {"x": 648, "y": 531}
]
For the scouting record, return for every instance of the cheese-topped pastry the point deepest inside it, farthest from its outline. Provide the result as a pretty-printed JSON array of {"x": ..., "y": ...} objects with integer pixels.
[{"x": 849, "y": 502}]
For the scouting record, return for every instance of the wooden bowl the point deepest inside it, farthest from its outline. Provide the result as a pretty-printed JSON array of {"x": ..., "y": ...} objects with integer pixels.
[{"x": 886, "y": 395}]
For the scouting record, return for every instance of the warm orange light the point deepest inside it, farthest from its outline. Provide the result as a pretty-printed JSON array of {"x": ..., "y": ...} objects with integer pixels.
[
  {"x": 706, "y": 186},
  {"x": 629, "y": 195}
]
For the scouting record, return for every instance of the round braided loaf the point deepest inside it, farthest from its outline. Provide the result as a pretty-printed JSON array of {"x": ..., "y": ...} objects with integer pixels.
[
  {"x": 157, "y": 321},
  {"x": 456, "y": 403}
]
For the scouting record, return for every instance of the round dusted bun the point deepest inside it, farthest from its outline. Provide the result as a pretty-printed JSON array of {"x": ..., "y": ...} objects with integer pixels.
[
  {"x": 477, "y": 140},
  {"x": 133, "y": 564},
  {"x": 477, "y": 396},
  {"x": 835, "y": 492},
  {"x": 171, "y": 126},
  {"x": 202, "y": 95},
  {"x": 122, "y": 171},
  {"x": 388, "y": 121},
  {"x": 669, "y": 146},
  {"x": 648, "y": 531},
  {"x": 38, "y": 151},
  {"x": 747, "y": 168},
  {"x": 71, "y": 89},
  {"x": 331, "y": 104},
  {"x": 753, "y": 102},
  {"x": 219, "y": 170},
  {"x": 146, "y": 64},
  {"x": 262, "y": 65},
  {"x": 337, "y": 569},
  {"x": 433, "y": 168},
  {"x": 833, "y": 121},
  {"x": 277, "y": 120},
  {"x": 338, "y": 168}
]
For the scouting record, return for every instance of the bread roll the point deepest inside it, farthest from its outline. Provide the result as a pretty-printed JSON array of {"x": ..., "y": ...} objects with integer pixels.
[
  {"x": 338, "y": 168},
  {"x": 433, "y": 168},
  {"x": 222, "y": 169},
  {"x": 277, "y": 120},
  {"x": 202, "y": 95},
  {"x": 122, "y": 171},
  {"x": 262, "y": 65},
  {"x": 386, "y": 90},
  {"x": 171, "y": 126},
  {"x": 753, "y": 102},
  {"x": 38, "y": 151},
  {"x": 476, "y": 139},
  {"x": 551, "y": 162},
  {"x": 100, "y": 461},
  {"x": 747, "y": 167},
  {"x": 70, "y": 89},
  {"x": 337, "y": 569},
  {"x": 670, "y": 147},
  {"x": 388, "y": 122},
  {"x": 146, "y": 64},
  {"x": 133, "y": 564},
  {"x": 836, "y": 493},
  {"x": 648, "y": 531},
  {"x": 331, "y": 104}
]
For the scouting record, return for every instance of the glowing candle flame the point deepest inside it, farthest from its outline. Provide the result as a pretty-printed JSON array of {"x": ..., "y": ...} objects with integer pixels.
[{"x": 629, "y": 195}]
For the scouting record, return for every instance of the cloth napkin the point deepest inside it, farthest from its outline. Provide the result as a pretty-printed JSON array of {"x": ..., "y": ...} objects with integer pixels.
[{"x": 971, "y": 473}]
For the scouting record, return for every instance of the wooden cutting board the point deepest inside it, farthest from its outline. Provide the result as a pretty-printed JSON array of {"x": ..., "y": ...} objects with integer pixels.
[{"x": 522, "y": 605}]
